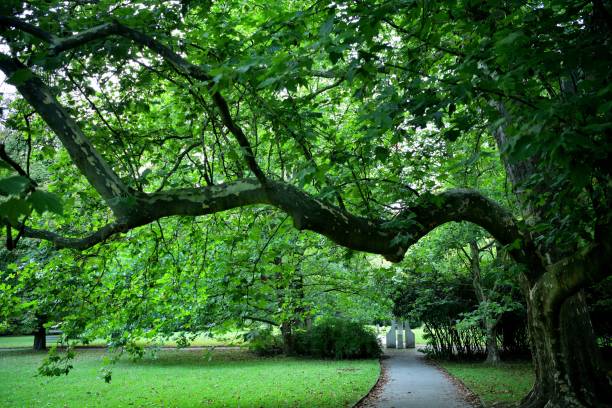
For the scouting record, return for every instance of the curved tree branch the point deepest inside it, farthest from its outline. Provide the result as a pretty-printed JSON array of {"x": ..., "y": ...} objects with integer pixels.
[
  {"x": 568, "y": 276},
  {"x": 77, "y": 243},
  {"x": 390, "y": 239},
  {"x": 6, "y": 21}
]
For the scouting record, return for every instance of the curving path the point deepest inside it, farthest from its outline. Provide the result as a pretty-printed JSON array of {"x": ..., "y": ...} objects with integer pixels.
[{"x": 413, "y": 383}]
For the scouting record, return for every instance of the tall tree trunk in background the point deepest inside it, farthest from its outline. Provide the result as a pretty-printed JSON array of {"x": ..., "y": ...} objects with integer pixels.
[
  {"x": 288, "y": 339},
  {"x": 492, "y": 348},
  {"x": 297, "y": 320},
  {"x": 40, "y": 336},
  {"x": 489, "y": 322}
]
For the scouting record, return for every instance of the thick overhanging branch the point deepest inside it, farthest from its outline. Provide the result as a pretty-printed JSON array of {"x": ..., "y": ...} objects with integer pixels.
[
  {"x": 568, "y": 276},
  {"x": 77, "y": 243},
  {"x": 87, "y": 159},
  {"x": 390, "y": 239},
  {"x": 6, "y": 21}
]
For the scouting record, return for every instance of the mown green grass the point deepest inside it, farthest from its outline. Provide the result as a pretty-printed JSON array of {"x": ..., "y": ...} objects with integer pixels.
[
  {"x": 506, "y": 383},
  {"x": 17, "y": 341},
  {"x": 418, "y": 336},
  {"x": 202, "y": 340},
  {"x": 187, "y": 378}
]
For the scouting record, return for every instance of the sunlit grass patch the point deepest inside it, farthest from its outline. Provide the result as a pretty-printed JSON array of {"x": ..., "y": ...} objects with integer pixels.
[
  {"x": 201, "y": 340},
  {"x": 187, "y": 378}
]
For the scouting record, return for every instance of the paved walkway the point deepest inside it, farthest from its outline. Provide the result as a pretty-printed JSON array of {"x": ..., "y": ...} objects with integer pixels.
[{"x": 413, "y": 383}]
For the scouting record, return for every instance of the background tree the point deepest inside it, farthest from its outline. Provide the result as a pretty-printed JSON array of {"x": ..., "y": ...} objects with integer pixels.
[{"x": 463, "y": 312}]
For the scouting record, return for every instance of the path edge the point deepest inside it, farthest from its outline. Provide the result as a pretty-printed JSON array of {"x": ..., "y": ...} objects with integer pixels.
[
  {"x": 379, "y": 382},
  {"x": 473, "y": 398}
]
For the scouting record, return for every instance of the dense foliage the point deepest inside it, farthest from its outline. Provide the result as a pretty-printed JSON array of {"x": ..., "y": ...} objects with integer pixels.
[
  {"x": 162, "y": 163},
  {"x": 437, "y": 289},
  {"x": 600, "y": 308},
  {"x": 338, "y": 338},
  {"x": 264, "y": 342},
  {"x": 328, "y": 337}
]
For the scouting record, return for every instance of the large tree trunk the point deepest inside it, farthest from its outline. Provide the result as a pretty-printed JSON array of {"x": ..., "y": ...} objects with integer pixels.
[
  {"x": 565, "y": 355},
  {"x": 489, "y": 322},
  {"x": 40, "y": 337},
  {"x": 491, "y": 343},
  {"x": 288, "y": 339}
]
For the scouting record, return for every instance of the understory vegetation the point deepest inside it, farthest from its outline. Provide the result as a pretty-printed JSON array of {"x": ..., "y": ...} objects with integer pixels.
[{"x": 469, "y": 305}]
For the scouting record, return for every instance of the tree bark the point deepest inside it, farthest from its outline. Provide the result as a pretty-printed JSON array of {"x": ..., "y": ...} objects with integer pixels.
[
  {"x": 40, "y": 337},
  {"x": 493, "y": 357},
  {"x": 565, "y": 354},
  {"x": 288, "y": 339},
  {"x": 488, "y": 321},
  {"x": 563, "y": 345},
  {"x": 564, "y": 351}
]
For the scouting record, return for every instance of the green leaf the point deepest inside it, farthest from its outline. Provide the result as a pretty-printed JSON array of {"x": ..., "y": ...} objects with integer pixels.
[
  {"x": 19, "y": 77},
  {"x": 267, "y": 82},
  {"x": 142, "y": 107},
  {"x": 13, "y": 209},
  {"x": 510, "y": 38},
  {"x": 327, "y": 27},
  {"x": 452, "y": 134},
  {"x": 335, "y": 56},
  {"x": 48, "y": 151},
  {"x": 381, "y": 153},
  {"x": 44, "y": 201},
  {"x": 13, "y": 185}
]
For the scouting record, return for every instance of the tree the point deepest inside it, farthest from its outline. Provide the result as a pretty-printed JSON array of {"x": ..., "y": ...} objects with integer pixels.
[
  {"x": 343, "y": 101},
  {"x": 40, "y": 287},
  {"x": 463, "y": 295},
  {"x": 43, "y": 290}
]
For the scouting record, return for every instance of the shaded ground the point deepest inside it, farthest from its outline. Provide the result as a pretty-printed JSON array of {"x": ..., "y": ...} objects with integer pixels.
[
  {"x": 412, "y": 382},
  {"x": 501, "y": 385}
]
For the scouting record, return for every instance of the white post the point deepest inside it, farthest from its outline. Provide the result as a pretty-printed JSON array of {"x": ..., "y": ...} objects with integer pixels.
[
  {"x": 400, "y": 336},
  {"x": 391, "y": 342},
  {"x": 409, "y": 336}
]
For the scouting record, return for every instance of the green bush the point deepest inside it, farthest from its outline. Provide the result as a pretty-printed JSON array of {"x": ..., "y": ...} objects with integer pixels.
[
  {"x": 264, "y": 343},
  {"x": 339, "y": 339}
]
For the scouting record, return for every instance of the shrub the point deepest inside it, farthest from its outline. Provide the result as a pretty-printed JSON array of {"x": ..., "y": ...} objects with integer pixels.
[
  {"x": 339, "y": 339},
  {"x": 264, "y": 343}
]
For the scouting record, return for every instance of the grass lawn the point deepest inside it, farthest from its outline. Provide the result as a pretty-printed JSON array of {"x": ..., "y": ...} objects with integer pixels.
[
  {"x": 187, "y": 378},
  {"x": 506, "y": 383},
  {"x": 418, "y": 336},
  {"x": 202, "y": 340}
]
